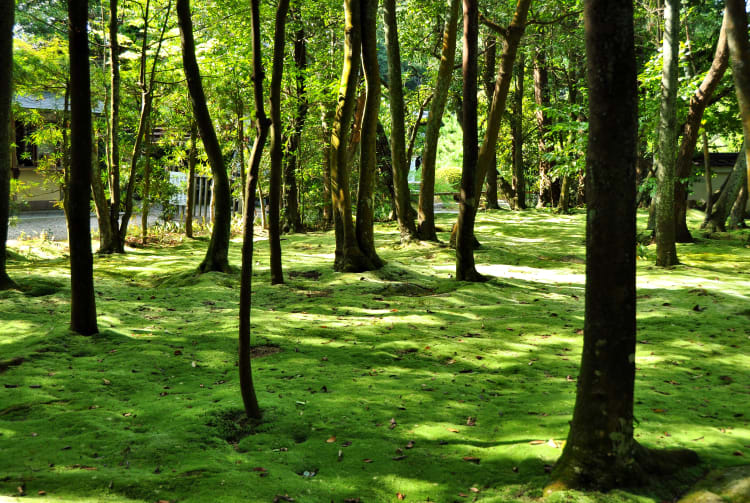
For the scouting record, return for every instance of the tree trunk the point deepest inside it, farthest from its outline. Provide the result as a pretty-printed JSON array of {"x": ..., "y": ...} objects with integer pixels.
[
  {"x": 737, "y": 216},
  {"x": 465, "y": 268},
  {"x": 698, "y": 103},
  {"x": 739, "y": 50},
  {"x": 291, "y": 192},
  {"x": 399, "y": 161},
  {"x": 368, "y": 156},
  {"x": 601, "y": 452},
  {"x": 429, "y": 154},
  {"x": 218, "y": 248},
  {"x": 82, "y": 300},
  {"x": 488, "y": 78},
  {"x": 716, "y": 220},
  {"x": 327, "y": 117},
  {"x": 349, "y": 257},
  {"x": 385, "y": 167},
  {"x": 146, "y": 202},
  {"x": 516, "y": 126},
  {"x": 7, "y": 14},
  {"x": 190, "y": 203},
  {"x": 262, "y": 124},
  {"x": 707, "y": 175},
  {"x": 542, "y": 100},
  {"x": 274, "y": 189},
  {"x": 101, "y": 203},
  {"x": 564, "y": 202},
  {"x": 666, "y": 156}
]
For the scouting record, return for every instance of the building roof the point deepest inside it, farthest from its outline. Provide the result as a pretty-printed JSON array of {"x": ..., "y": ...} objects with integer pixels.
[
  {"x": 718, "y": 159},
  {"x": 49, "y": 101}
]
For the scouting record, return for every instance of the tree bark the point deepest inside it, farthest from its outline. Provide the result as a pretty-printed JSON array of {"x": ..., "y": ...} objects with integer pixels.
[
  {"x": 666, "y": 156},
  {"x": 516, "y": 126},
  {"x": 739, "y": 50},
  {"x": 690, "y": 132},
  {"x": 601, "y": 452},
  {"x": 291, "y": 191},
  {"x": 218, "y": 248},
  {"x": 488, "y": 78},
  {"x": 707, "y": 174},
  {"x": 349, "y": 257},
  {"x": 101, "y": 203},
  {"x": 274, "y": 189},
  {"x": 146, "y": 201},
  {"x": 542, "y": 100},
  {"x": 190, "y": 203},
  {"x": 82, "y": 301},
  {"x": 327, "y": 122},
  {"x": 716, "y": 220},
  {"x": 368, "y": 156},
  {"x": 7, "y": 14},
  {"x": 399, "y": 161},
  {"x": 262, "y": 124},
  {"x": 426, "y": 210},
  {"x": 737, "y": 216},
  {"x": 116, "y": 242},
  {"x": 465, "y": 267}
]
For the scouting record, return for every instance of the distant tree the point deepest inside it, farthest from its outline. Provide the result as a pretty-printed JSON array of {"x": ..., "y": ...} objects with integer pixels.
[
  {"x": 7, "y": 11},
  {"x": 739, "y": 50},
  {"x": 731, "y": 190},
  {"x": 665, "y": 157},
  {"x": 192, "y": 161},
  {"x": 601, "y": 452},
  {"x": 82, "y": 302},
  {"x": 216, "y": 258}
]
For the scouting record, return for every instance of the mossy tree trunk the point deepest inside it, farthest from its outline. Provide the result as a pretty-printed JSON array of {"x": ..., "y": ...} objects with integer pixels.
[
  {"x": 7, "y": 14},
  {"x": 368, "y": 157},
  {"x": 275, "y": 189},
  {"x": 666, "y": 156},
  {"x": 426, "y": 212},
  {"x": 601, "y": 452},
  {"x": 739, "y": 50},
  {"x": 690, "y": 132},
  {"x": 399, "y": 161},
  {"x": 291, "y": 190},
  {"x": 82, "y": 299},
  {"x": 192, "y": 157},
  {"x": 262, "y": 124},
  {"x": 216, "y": 258}
]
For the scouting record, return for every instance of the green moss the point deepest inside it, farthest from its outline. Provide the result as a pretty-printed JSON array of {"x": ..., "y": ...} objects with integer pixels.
[{"x": 149, "y": 409}]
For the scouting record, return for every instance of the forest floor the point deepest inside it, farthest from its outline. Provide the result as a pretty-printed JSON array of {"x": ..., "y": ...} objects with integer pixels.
[{"x": 397, "y": 384}]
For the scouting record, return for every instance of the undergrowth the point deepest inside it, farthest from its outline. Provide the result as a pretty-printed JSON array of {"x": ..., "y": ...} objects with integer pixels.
[{"x": 398, "y": 381}]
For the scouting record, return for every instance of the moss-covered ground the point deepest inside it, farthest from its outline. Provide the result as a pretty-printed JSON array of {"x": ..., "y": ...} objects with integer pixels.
[{"x": 381, "y": 386}]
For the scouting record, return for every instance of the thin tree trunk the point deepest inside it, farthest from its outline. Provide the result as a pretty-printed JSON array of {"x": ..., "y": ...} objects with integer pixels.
[
  {"x": 190, "y": 203},
  {"x": 274, "y": 189},
  {"x": 327, "y": 118},
  {"x": 488, "y": 78},
  {"x": 716, "y": 220},
  {"x": 218, "y": 248},
  {"x": 708, "y": 174},
  {"x": 426, "y": 210},
  {"x": 737, "y": 216},
  {"x": 82, "y": 300},
  {"x": 291, "y": 194},
  {"x": 666, "y": 155},
  {"x": 146, "y": 202},
  {"x": 564, "y": 201},
  {"x": 116, "y": 243},
  {"x": 399, "y": 161},
  {"x": 601, "y": 452},
  {"x": 465, "y": 268},
  {"x": 739, "y": 50},
  {"x": 368, "y": 158},
  {"x": 542, "y": 100},
  {"x": 516, "y": 124},
  {"x": 262, "y": 124},
  {"x": 101, "y": 203},
  {"x": 263, "y": 207},
  {"x": 698, "y": 103},
  {"x": 7, "y": 14}
]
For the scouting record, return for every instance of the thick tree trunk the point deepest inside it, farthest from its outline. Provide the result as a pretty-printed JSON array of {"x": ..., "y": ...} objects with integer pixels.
[
  {"x": 349, "y": 257},
  {"x": 739, "y": 50},
  {"x": 516, "y": 126},
  {"x": 218, "y": 248},
  {"x": 542, "y": 100},
  {"x": 274, "y": 189},
  {"x": 399, "y": 161},
  {"x": 666, "y": 155},
  {"x": 739, "y": 209},
  {"x": 429, "y": 154},
  {"x": 7, "y": 14},
  {"x": 82, "y": 301},
  {"x": 291, "y": 192},
  {"x": 190, "y": 203},
  {"x": 601, "y": 452},
  {"x": 368, "y": 157},
  {"x": 465, "y": 268},
  {"x": 262, "y": 124},
  {"x": 385, "y": 167},
  {"x": 716, "y": 220},
  {"x": 698, "y": 103},
  {"x": 707, "y": 174},
  {"x": 564, "y": 201},
  {"x": 488, "y": 79}
]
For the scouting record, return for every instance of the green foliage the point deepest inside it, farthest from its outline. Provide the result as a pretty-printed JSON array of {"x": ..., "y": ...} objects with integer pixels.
[{"x": 448, "y": 176}]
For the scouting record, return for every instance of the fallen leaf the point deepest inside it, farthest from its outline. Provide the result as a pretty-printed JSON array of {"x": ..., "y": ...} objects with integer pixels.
[
  {"x": 106, "y": 382},
  {"x": 341, "y": 455},
  {"x": 331, "y": 440},
  {"x": 551, "y": 442},
  {"x": 410, "y": 445},
  {"x": 41, "y": 493},
  {"x": 400, "y": 497},
  {"x": 452, "y": 430},
  {"x": 659, "y": 411},
  {"x": 537, "y": 442},
  {"x": 393, "y": 424},
  {"x": 737, "y": 453},
  {"x": 367, "y": 460},
  {"x": 278, "y": 498},
  {"x": 399, "y": 458},
  {"x": 259, "y": 469},
  {"x": 470, "y": 421},
  {"x": 472, "y": 459},
  {"x": 474, "y": 489}
]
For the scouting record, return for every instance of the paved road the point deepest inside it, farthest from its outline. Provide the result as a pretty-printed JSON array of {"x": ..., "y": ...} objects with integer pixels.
[{"x": 52, "y": 223}]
